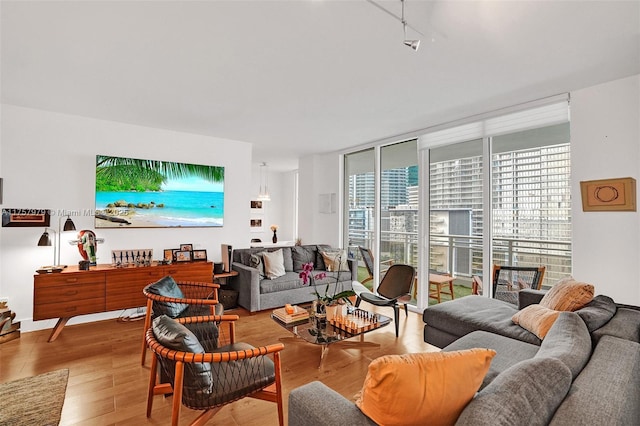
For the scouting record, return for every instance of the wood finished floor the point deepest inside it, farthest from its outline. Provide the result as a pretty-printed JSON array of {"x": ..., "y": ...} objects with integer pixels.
[{"x": 108, "y": 386}]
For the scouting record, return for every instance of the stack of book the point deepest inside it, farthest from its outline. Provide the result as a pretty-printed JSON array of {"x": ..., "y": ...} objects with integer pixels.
[{"x": 294, "y": 315}]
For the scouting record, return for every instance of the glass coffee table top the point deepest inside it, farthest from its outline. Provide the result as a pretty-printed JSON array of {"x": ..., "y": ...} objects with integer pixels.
[{"x": 320, "y": 331}]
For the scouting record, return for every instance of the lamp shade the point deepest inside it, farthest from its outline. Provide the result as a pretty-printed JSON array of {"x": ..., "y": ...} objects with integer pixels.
[
  {"x": 69, "y": 225},
  {"x": 44, "y": 239},
  {"x": 414, "y": 44}
]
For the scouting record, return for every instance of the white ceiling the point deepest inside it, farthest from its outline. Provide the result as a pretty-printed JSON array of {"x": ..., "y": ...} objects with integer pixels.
[{"x": 302, "y": 77}]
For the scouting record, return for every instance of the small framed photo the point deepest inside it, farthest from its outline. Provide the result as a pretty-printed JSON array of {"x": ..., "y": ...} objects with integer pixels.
[
  {"x": 168, "y": 255},
  {"x": 175, "y": 254},
  {"x": 183, "y": 256},
  {"x": 199, "y": 255},
  {"x": 186, "y": 247}
]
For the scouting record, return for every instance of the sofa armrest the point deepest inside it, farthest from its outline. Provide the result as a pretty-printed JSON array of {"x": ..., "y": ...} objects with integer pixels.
[
  {"x": 247, "y": 284},
  {"x": 528, "y": 297},
  {"x": 316, "y": 404}
]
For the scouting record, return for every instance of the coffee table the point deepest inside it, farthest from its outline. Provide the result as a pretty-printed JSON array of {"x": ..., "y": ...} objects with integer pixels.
[{"x": 319, "y": 331}]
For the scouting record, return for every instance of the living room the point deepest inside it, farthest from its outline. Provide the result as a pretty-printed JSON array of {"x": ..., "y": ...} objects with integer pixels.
[{"x": 48, "y": 151}]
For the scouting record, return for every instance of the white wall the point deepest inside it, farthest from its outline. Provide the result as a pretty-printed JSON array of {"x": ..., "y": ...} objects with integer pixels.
[
  {"x": 279, "y": 211},
  {"x": 319, "y": 174},
  {"x": 605, "y": 143},
  {"x": 48, "y": 161}
]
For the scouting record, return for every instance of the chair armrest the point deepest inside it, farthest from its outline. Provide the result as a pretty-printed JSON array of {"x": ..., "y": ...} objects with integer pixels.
[
  {"x": 317, "y": 404},
  {"x": 529, "y": 296}
]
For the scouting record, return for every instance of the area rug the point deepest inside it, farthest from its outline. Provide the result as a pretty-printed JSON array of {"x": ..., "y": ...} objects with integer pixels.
[{"x": 33, "y": 401}]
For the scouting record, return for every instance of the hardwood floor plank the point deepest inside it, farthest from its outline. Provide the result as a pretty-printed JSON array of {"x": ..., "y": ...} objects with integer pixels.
[{"x": 107, "y": 386}]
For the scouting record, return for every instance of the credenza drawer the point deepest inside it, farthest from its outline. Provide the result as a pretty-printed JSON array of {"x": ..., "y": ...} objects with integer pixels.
[
  {"x": 78, "y": 278},
  {"x": 65, "y": 293},
  {"x": 68, "y": 309}
]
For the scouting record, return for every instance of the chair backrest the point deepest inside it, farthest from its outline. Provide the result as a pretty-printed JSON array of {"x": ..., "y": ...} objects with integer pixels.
[
  {"x": 518, "y": 277},
  {"x": 397, "y": 282},
  {"x": 367, "y": 257}
]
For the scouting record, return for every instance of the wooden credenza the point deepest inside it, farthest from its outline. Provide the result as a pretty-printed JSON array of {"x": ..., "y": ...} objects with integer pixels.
[{"x": 103, "y": 288}]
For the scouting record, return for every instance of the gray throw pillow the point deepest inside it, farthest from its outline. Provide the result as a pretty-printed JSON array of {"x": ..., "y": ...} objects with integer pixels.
[
  {"x": 525, "y": 394},
  {"x": 598, "y": 312},
  {"x": 167, "y": 287},
  {"x": 197, "y": 375},
  {"x": 302, "y": 255}
]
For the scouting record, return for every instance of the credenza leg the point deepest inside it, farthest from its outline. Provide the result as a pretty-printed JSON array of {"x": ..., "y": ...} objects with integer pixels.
[{"x": 58, "y": 328}]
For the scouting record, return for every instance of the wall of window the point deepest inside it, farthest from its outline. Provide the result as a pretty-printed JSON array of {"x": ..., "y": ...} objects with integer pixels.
[{"x": 505, "y": 191}]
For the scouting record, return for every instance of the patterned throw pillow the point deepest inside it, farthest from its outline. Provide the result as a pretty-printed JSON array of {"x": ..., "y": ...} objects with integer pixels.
[
  {"x": 536, "y": 319},
  {"x": 335, "y": 260},
  {"x": 568, "y": 295},
  {"x": 434, "y": 387}
]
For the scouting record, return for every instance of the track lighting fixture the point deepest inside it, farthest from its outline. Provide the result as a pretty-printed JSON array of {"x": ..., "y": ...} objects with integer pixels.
[{"x": 414, "y": 44}]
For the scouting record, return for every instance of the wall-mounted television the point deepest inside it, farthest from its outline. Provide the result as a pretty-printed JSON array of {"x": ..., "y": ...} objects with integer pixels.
[{"x": 139, "y": 193}]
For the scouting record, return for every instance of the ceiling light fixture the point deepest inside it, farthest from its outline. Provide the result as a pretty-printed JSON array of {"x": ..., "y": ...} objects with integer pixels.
[
  {"x": 414, "y": 44},
  {"x": 263, "y": 195}
]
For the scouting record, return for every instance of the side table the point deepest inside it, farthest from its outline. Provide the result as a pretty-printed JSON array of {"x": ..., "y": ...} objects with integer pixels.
[{"x": 228, "y": 297}]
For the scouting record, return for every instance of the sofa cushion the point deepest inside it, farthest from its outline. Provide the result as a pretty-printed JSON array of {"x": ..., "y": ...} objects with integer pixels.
[
  {"x": 526, "y": 394},
  {"x": 273, "y": 264},
  {"x": 598, "y": 312},
  {"x": 288, "y": 260},
  {"x": 508, "y": 351},
  {"x": 470, "y": 313},
  {"x": 625, "y": 324},
  {"x": 536, "y": 318},
  {"x": 432, "y": 387},
  {"x": 167, "y": 287},
  {"x": 302, "y": 255},
  {"x": 568, "y": 295},
  {"x": 569, "y": 341},
  {"x": 607, "y": 390}
]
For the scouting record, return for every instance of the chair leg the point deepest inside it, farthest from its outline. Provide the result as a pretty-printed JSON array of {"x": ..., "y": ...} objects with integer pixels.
[
  {"x": 406, "y": 311},
  {"x": 147, "y": 324},
  {"x": 358, "y": 300},
  {"x": 396, "y": 316},
  {"x": 152, "y": 383},
  {"x": 177, "y": 393}
]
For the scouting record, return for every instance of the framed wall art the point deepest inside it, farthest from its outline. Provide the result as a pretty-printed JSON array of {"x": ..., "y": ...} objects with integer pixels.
[
  {"x": 142, "y": 193},
  {"x": 609, "y": 195},
  {"x": 25, "y": 218}
]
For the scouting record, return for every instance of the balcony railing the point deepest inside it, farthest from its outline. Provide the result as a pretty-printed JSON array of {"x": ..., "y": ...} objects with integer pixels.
[{"x": 462, "y": 255}]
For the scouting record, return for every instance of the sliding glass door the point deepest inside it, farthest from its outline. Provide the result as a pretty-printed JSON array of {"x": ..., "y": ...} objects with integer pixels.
[{"x": 359, "y": 205}]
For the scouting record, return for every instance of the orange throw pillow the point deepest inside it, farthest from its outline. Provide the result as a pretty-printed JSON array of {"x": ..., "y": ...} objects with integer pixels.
[
  {"x": 424, "y": 388},
  {"x": 536, "y": 318},
  {"x": 568, "y": 295}
]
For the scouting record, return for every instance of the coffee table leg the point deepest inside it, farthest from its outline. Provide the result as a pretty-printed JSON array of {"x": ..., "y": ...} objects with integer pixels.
[{"x": 325, "y": 349}]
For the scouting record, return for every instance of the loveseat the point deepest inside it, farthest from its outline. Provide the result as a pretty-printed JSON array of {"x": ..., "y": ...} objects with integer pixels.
[
  {"x": 586, "y": 370},
  {"x": 257, "y": 291}
]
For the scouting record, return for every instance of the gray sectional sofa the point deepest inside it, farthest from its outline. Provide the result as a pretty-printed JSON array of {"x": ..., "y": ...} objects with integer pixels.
[
  {"x": 585, "y": 372},
  {"x": 256, "y": 292}
]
